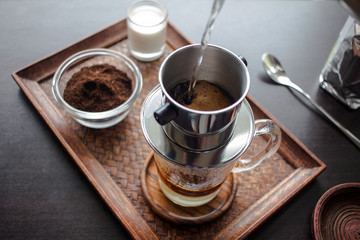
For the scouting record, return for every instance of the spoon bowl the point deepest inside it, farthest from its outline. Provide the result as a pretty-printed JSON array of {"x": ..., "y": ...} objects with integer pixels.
[{"x": 277, "y": 73}]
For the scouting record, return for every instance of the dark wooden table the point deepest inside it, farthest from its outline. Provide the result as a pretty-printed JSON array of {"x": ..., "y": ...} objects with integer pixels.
[{"x": 43, "y": 195}]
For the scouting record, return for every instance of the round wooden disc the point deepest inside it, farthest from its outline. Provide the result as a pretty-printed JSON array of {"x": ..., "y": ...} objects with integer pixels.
[
  {"x": 163, "y": 207},
  {"x": 337, "y": 213}
]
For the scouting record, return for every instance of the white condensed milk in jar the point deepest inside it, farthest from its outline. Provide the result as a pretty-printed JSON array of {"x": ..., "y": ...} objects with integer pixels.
[{"x": 146, "y": 23}]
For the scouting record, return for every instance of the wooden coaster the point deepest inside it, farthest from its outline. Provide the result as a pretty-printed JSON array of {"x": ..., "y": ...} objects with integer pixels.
[
  {"x": 337, "y": 213},
  {"x": 163, "y": 207}
]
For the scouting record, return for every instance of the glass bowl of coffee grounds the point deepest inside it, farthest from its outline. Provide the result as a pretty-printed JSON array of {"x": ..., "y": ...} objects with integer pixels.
[{"x": 97, "y": 87}]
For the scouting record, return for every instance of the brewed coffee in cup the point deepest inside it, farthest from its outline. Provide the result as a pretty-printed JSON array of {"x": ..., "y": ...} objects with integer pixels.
[{"x": 188, "y": 186}]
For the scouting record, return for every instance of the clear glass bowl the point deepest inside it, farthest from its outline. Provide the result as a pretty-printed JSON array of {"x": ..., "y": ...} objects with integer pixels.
[{"x": 88, "y": 58}]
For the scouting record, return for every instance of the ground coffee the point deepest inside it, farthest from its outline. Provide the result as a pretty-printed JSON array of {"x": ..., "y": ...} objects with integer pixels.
[{"x": 98, "y": 88}]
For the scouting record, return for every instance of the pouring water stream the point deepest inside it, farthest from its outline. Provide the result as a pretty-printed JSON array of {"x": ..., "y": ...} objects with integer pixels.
[
  {"x": 215, "y": 10},
  {"x": 277, "y": 73}
]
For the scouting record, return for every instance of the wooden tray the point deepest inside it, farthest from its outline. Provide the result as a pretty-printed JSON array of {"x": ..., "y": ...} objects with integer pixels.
[{"x": 112, "y": 159}]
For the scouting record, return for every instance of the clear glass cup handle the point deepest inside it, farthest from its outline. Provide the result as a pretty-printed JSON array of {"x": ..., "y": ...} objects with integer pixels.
[{"x": 262, "y": 126}]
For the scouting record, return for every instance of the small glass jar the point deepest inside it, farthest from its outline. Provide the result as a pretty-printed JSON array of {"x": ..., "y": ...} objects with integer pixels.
[{"x": 146, "y": 23}]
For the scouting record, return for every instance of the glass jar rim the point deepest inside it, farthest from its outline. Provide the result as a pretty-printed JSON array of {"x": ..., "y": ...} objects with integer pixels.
[{"x": 154, "y": 3}]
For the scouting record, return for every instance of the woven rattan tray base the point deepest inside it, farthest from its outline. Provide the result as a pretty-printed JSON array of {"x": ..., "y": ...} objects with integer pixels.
[{"x": 112, "y": 159}]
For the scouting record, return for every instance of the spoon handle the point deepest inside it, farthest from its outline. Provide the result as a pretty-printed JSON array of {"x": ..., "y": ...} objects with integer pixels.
[{"x": 347, "y": 133}]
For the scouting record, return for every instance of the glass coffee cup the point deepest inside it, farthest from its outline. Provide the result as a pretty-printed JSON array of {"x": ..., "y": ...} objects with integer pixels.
[{"x": 191, "y": 175}]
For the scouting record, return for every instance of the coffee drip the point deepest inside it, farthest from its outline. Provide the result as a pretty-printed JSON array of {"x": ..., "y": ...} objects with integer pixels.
[{"x": 197, "y": 150}]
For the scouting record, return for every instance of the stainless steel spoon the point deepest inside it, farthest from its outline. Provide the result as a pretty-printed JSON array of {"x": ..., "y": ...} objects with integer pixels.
[{"x": 277, "y": 73}]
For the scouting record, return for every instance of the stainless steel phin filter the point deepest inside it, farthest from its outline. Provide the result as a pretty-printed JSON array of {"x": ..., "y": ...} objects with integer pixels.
[{"x": 194, "y": 129}]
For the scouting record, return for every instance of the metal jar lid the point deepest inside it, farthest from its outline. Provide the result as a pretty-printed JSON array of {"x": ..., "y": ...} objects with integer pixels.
[{"x": 166, "y": 148}]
